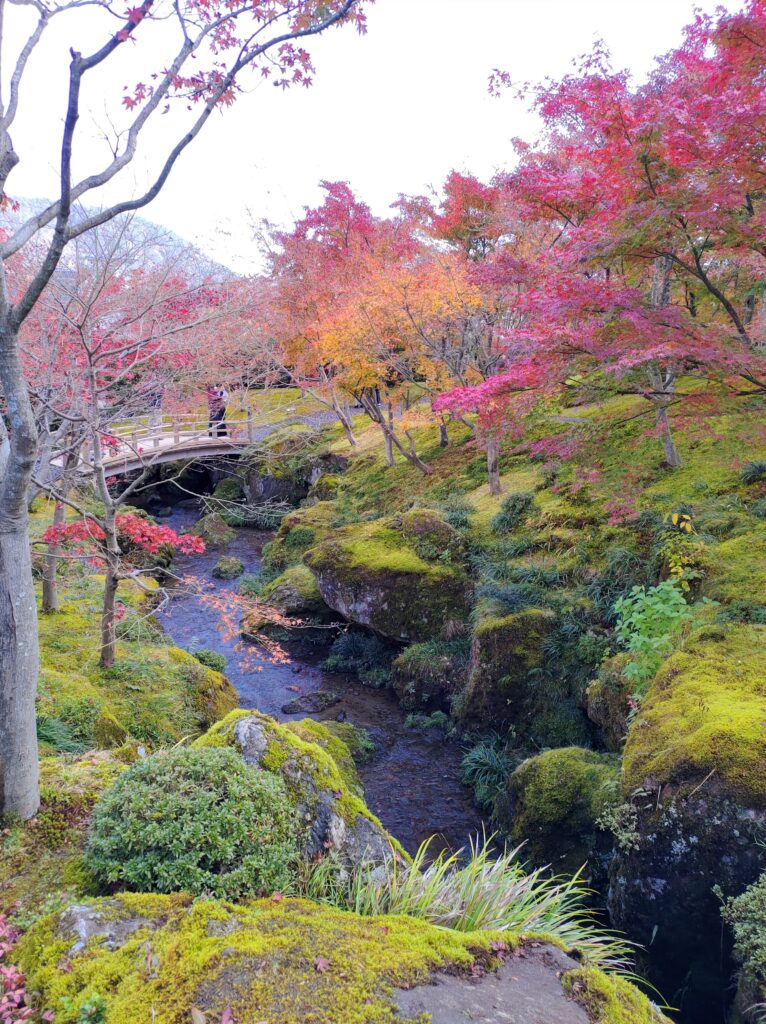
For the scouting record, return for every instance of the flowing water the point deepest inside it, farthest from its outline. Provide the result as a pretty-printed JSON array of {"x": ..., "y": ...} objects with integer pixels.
[{"x": 412, "y": 780}]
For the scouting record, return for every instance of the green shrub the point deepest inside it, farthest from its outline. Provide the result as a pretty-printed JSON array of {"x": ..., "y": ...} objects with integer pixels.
[
  {"x": 300, "y": 537},
  {"x": 197, "y": 820},
  {"x": 758, "y": 509},
  {"x": 647, "y": 624},
  {"x": 514, "y": 511},
  {"x": 752, "y": 472},
  {"x": 212, "y": 659},
  {"x": 363, "y": 653},
  {"x": 457, "y": 511},
  {"x": 746, "y": 914},
  {"x": 486, "y": 767}
]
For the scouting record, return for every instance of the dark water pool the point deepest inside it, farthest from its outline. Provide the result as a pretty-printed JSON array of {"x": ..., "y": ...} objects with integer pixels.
[{"x": 411, "y": 782}]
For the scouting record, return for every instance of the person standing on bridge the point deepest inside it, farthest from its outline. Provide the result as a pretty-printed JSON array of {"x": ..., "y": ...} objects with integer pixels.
[{"x": 216, "y": 403}]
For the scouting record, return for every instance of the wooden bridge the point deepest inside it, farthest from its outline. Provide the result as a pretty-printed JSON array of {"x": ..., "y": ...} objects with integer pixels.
[{"x": 136, "y": 446}]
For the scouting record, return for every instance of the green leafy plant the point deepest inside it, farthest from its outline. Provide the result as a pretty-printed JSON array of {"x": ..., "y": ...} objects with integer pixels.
[
  {"x": 363, "y": 653},
  {"x": 58, "y": 734},
  {"x": 752, "y": 472},
  {"x": 486, "y": 767},
  {"x": 514, "y": 510},
  {"x": 211, "y": 659},
  {"x": 648, "y": 622},
  {"x": 481, "y": 890},
  {"x": 194, "y": 820}
]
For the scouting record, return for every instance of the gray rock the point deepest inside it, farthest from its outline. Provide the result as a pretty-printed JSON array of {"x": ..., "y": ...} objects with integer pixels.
[{"x": 83, "y": 923}]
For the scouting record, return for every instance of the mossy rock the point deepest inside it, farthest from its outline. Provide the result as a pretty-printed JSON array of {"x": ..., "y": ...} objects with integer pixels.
[
  {"x": 705, "y": 712},
  {"x": 325, "y": 487},
  {"x": 292, "y": 962},
  {"x": 429, "y": 674},
  {"x": 297, "y": 532},
  {"x": 505, "y": 649},
  {"x": 431, "y": 537},
  {"x": 694, "y": 773},
  {"x": 229, "y": 489},
  {"x": 321, "y": 776},
  {"x": 370, "y": 575},
  {"x": 213, "y": 530},
  {"x": 296, "y": 593},
  {"x": 228, "y": 568},
  {"x": 552, "y": 803},
  {"x": 607, "y": 701},
  {"x": 108, "y": 732}
]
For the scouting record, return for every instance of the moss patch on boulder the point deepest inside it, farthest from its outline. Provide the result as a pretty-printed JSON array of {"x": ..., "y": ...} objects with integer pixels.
[
  {"x": 505, "y": 649},
  {"x": 213, "y": 530},
  {"x": 705, "y": 712},
  {"x": 552, "y": 802},
  {"x": 320, "y": 774},
  {"x": 372, "y": 576},
  {"x": 228, "y": 568},
  {"x": 297, "y": 532},
  {"x": 157, "y": 957}
]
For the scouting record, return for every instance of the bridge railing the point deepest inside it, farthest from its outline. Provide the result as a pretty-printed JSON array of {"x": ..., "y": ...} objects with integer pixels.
[{"x": 136, "y": 436}]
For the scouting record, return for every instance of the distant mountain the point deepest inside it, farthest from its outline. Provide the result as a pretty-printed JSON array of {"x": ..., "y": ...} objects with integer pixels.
[{"x": 164, "y": 238}]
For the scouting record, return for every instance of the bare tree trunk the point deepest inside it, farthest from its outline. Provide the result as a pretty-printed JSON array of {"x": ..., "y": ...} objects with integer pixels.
[
  {"x": 663, "y": 380},
  {"x": 111, "y": 581},
  {"x": 493, "y": 465},
  {"x": 672, "y": 458},
  {"x": 388, "y": 443},
  {"x": 443, "y": 435},
  {"x": 19, "y": 658},
  {"x": 345, "y": 422},
  {"x": 50, "y": 584}
]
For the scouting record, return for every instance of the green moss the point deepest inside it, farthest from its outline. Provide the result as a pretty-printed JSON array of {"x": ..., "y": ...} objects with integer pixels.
[
  {"x": 431, "y": 537},
  {"x": 228, "y": 568},
  {"x": 609, "y": 999},
  {"x": 229, "y": 489},
  {"x": 312, "y": 524},
  {"x": 738, "y": 568},
  {"x": 370, "y": 574},
  {"x": 42, "y": 859},
  {"x": 154, "y": 693},
  {"x": 552, "y": 802},
  {"x": 704, "y": 713},
  {"x": 311, "y": 751},
  {"x": 295, "y": 592},
  {"x": 505, "y": 649},
  {"x": 606, "y": 700},
  {"x": 258, "y": 958},
  {"x": 213, "y": 530}
]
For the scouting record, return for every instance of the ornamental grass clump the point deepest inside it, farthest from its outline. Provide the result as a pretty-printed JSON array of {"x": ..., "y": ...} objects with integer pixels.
[
  {"x": 487, "y": 891},
  {"x": 194, "y": 820}
]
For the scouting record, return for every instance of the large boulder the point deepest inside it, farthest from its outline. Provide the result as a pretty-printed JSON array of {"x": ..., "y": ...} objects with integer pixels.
[
  {"x": 169, "y": 959},
  {"x": 608, "y": 701},
  {"x": 554, "y": 802},
  {"x": 372, "y": 575},
  {"x": 299, "y": 531},
  {"x": 503, "y": 688},
  {"x": 213, "y": 530},
  {"x": 319, "y": 772},
  {"x": 694, "y": 786}
]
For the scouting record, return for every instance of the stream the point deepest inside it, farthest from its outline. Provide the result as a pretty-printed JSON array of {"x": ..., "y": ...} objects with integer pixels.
[{"x": 412, "y": 781}]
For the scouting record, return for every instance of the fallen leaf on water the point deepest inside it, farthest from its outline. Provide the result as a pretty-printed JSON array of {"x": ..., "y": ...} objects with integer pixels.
[{"x": 321, "y": 964}]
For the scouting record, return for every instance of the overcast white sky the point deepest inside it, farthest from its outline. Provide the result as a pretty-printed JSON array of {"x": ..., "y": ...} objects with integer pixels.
[{"x": 390, "y": 112}]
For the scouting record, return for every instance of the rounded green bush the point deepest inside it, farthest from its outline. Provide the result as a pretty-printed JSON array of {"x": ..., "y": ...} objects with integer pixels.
[
  {"x": 211, "y": 659},
  {"x": 194, "y": 820}
]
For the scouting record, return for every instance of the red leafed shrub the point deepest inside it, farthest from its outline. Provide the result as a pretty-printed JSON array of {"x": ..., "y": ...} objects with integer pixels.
[
  {"x": 89, "y": 535},
  {"x": 13, "y": 990}
]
